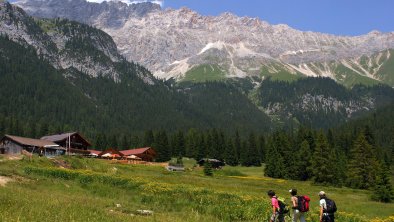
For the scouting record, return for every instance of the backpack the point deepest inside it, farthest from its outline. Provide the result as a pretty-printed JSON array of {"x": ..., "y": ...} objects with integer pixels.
[
  {"x": 303, "y": 203},
  {"x": 331, "y": 206},
  {"x": 283, "y": 207}
]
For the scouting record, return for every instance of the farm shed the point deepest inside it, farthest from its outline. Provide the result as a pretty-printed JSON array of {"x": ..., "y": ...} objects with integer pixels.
[{"x": 214, "y": 162}]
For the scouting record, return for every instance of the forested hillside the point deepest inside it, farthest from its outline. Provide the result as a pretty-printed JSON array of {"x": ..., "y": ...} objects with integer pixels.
[
  {"x": 318, "y": 102},
  {"x": 37, "y": 98}
]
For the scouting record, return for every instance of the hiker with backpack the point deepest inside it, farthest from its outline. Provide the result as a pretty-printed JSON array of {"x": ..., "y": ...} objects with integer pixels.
[
  {"x": 300, "y": 205},
  {"x": 279, "y": 208},
  {"x": 327, "y": 208}
]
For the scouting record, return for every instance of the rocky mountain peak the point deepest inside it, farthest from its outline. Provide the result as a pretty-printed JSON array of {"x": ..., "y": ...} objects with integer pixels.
[{"x": 173, "y": 42}]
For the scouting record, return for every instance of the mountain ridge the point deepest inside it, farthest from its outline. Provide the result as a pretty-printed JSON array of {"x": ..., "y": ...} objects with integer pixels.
[
  {"x": 69, "y": 75},
  {"x": 172, "y": 42}
]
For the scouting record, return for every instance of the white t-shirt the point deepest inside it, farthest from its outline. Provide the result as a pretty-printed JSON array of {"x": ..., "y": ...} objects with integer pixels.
[{"x": 323, "y": 203}]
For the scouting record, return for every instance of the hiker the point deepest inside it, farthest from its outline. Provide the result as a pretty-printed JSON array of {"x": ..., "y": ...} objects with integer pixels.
[
  {"x": 327, "y": 208},
  {"x": 297, "y": 213},
  {"x": 276, "y": 216}
]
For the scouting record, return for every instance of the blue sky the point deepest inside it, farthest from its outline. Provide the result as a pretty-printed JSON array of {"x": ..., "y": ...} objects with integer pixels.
[{"x": 340, "y": 17}]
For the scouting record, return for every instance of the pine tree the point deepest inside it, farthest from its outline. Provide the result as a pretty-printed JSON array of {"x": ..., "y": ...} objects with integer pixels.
[
  {"x": 208, "y": 168},
  {"x": 180, "y": 144},
  {"x": 191, "y": 142},
  {"x": 125, "y": 144},
  {"x": 213, "y": 151},
  {"x": 253, "y": 157},
  {"x": 303, "y": 162},
  {"x": 100, "y": 142},
  {"x": 221, "y": 146},
  {"x": 149, "y": 139},
  {"x": 114, "y": 142},
  {"x": 201, "y": 148},
  {"x": 162, "y": 147},
  {"x": 43, "y": 129},
  {"x": 135, "y": 141},
  {"x": 340, "y": 166},
  {"x": 274, "y": 162},
  {"x": 237, "y": 144},
  {"x": 231, "y": 154},
  {"x": 244, "y": 156},
  {"x": 261, "y": 147},
  {"x": 323, "y": 162},
  {"x": 208, "y": 145},
  {"x": 282, "y": 143},
  {"x": 383, "y": 190},
  {"x": 362, "y": 164}
]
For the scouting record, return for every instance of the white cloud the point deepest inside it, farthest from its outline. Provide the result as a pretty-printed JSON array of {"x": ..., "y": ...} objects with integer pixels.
[{"x": 129, "y": 2}]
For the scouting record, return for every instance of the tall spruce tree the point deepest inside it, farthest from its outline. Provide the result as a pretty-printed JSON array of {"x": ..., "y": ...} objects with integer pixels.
[
  {"x": 323, "y": 162},
  {"x": 125, "y": 143},
  {"x": 237, "y": 144},
  {"x": 261, "y": 147},
  {"x": 149, "y": 138},
  {"x": 383, "y": 190},
  {"x": 191, "y": 143},
  {"x": 252, "y": 151},
  {"x": 282, "y": 143},
  {"x": 303, "y": 162},
  {"x": 135, "y": 141},
  {"x": 201, "y": 147},
  {"x": 162, "y": 147},
  {"x": 214, "y": 148},
  {"x": 274, "y": 162},
  {"x": 221, "y": 146},
  {"x": 362, "y": 164},
  {"x": 231, "y": 154},
  {"x": 101, "y": 143}
]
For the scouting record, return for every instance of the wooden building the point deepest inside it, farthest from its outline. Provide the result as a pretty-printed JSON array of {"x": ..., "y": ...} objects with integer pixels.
[
  {"x": 216, "y": 164},
  {"x": 13, "y": 145},
  {"x": 73, "y": 142},
  {"x": 146, "y": 154}
]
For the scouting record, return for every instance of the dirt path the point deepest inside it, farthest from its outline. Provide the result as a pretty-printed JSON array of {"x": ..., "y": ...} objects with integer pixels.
[{"x": 4, "y": 180}]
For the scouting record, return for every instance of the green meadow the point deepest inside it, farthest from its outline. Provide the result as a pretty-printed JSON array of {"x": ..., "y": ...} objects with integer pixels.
[{"x": 79, "y": 189}]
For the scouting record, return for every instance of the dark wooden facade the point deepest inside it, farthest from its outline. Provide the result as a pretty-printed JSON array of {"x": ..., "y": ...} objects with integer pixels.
[{"x": 74, "y": 142}]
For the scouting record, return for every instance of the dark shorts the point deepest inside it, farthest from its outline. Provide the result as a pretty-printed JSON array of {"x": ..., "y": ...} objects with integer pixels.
[{"x": 328, "y": 218}]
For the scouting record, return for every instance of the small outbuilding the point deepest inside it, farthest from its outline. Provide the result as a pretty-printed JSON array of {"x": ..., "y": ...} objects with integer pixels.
[{"x": 216, "y": 164}]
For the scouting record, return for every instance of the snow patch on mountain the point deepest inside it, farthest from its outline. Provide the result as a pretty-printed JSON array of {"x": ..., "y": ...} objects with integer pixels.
[{"x": 129, "y": 2}]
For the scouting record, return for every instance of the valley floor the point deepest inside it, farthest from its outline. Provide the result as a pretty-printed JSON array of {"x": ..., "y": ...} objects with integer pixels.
[{"x": 100, "y": 190}]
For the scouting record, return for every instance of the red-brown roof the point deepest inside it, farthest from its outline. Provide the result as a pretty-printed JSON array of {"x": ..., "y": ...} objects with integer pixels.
[{"x": 135, "y": 151}]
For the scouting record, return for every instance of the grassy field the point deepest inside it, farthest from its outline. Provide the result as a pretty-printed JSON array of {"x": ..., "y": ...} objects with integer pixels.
[
  {"x": 204, "y": 73},
  {"x": 41, "y": 190}
]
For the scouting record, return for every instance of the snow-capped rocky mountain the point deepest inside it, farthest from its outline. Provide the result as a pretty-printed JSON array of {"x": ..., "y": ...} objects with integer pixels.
[{"x": 173, "y": 42}]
